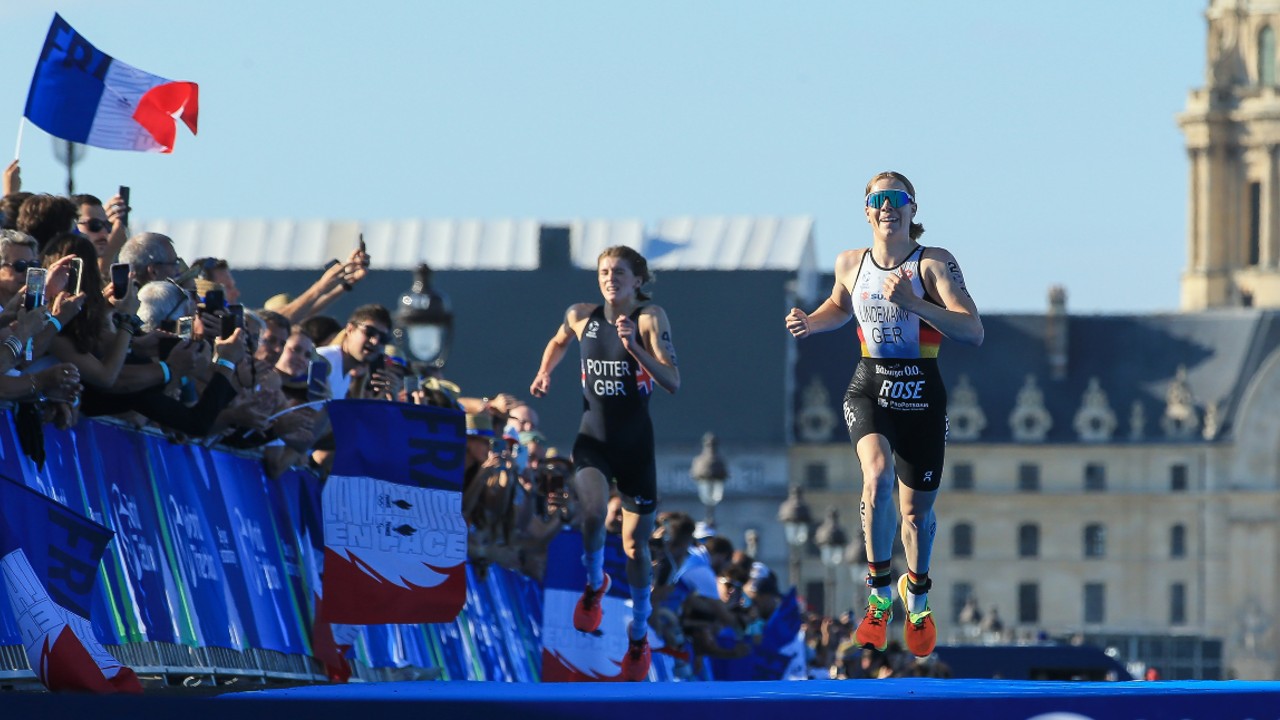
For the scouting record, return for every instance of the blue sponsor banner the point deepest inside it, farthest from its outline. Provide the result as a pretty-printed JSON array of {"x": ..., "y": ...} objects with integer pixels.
[
  {"x": 124, "y": 492},
  {"x": 119, "y": 615},
  {"x": 269, "y": 611},
  {"x": 184, "y": 488},
  {"x": 287, "y": 497}
]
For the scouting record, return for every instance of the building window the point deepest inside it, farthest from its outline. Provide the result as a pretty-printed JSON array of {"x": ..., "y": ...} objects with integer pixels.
[
  {"x": 1095, "y": 477},
  {"x": 1028, "y": 603},
  {"x": 1267, "y": 57},
  {"x": 1095, "y": 541},
  {"x": 1255, "y": 223},
  {"x": 1028, "y": 477},
  {"x": 1178, "y": 478},
  {"x": 1178, "y": 604},
  {"x": 816, "y": 596},
  {"x": 1028, "y": 540},
  {"x": 1095, "y": 603},
  {"x": 1178, "y": 541},
  {"x": 960, "y": 594},
  {"x": 815, "y": 476},
  {"x": 962, "y": 476},
  {"x": 962, "y": 540}
]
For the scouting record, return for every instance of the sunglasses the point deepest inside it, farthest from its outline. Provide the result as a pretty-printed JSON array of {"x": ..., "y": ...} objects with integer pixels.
[
  {"x": 21, "y": 266},
  {"x": 96, "y": 225},
  {"x": 896, "y": 198},
  {"x": 373, "y": 333}
]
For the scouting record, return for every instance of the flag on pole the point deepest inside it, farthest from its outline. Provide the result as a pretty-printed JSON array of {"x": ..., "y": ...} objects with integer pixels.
[
  {"x": 395, "y": 540},
  {"x": 81, "y": 94},
  {"x": 49, "y": 558}
]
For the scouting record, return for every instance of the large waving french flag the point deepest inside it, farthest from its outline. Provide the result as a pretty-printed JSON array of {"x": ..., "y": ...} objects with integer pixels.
[
  {"x": 395, "y": 540},
  {"x": 81, "y": 94}
]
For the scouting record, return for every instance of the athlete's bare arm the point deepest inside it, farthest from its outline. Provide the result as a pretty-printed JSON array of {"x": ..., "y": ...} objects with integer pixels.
[
  {"x": 655, "y": 349},
  {"x": 569, "y": 329},
  {"x": 836, "y": 310},
  {"x": 940, "y": 273}
]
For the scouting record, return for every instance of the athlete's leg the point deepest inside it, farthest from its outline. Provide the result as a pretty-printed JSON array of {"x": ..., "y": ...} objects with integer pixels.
[
  {"x": 877, "y": 514},
  {"x": 636, "y": 531},
  {"x": 919, "y": 526},
  {"x": 593, "y": 504},
  {"x": 876, "y": 510}
]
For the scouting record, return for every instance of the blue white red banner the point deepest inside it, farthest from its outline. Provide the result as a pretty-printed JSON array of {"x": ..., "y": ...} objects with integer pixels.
[
  {"x": 82, "y": 94},
  {"x": 567, "y": 654},
  {"x": 49, "y": 558},
  {"x": 395, "y": 539}
]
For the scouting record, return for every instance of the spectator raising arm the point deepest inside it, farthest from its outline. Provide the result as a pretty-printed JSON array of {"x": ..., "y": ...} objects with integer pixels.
[{"x": 331, "y": 285}]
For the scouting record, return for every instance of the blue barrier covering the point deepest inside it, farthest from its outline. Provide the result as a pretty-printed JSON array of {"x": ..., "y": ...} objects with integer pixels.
[{"x": 210, "y": 553}]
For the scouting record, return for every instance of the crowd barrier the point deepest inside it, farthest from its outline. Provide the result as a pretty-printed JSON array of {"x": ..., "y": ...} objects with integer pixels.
[{"x": 214, "y": 568}]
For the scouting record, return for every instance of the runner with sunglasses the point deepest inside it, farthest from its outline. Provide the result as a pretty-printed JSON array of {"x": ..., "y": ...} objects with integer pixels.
[
  {"x": 626, "y": 351},
  {"x": 905, "y": 297}
]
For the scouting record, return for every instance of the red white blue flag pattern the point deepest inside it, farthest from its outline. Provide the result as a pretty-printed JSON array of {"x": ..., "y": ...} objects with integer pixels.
[
  {"x": 82, "y": 94},
  {"x": 395, "y": 539},
  {"x": 49, "y": 559}
]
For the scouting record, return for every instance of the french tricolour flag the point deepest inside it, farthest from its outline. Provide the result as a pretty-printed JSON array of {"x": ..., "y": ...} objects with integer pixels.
[
  {"x": 81, "y": 94},
  {"x": 49, "y": 559}
]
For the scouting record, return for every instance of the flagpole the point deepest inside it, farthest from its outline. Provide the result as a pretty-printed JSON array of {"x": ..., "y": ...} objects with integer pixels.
[{"x": 17, "y": 151}]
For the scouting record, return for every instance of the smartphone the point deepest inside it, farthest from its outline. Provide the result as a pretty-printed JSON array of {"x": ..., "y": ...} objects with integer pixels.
[
  {"x": 412, "y": 383},
  {"x": 233, "y": 319},
  {"x": 362, "y": 247},
  {"x": 74, "y": 272},
  {"x": 186, "y": 327},
  {"x": 120, "y": 280},
  {"x": 123, "y": 192},
  {"x": 215, "y": 301},
  {"x": 35, "y": 288},
  {"x": 318, "y": 380}
]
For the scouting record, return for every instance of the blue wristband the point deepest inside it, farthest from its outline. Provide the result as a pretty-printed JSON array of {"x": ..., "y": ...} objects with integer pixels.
[
  {"x": 226, "y": 364},
  {"x": 54, "y": 322},
  {"x": 164, "y": 367}
]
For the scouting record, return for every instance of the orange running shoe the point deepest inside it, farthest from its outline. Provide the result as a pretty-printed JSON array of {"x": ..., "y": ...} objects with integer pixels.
[
  {"x": 872, "y": 631},
  {"x": 587, "y": 614},
  {"x": 635, "y": 664},
  {"x": 919, "y": 633}
]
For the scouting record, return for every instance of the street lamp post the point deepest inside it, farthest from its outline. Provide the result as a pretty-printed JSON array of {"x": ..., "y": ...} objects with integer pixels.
[
  {"x": 794, "y": 515},
  {"x": 709, "y": 473},
  {"x": 424, "y": 321},
  {"x": 831, "y": 540}
]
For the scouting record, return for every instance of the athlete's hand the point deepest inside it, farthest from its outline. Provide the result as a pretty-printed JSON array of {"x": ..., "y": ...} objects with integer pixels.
[
  {"x": 541, "y": 384},
  {"x": 897, "y": 290},
  {"x": 626, "y": 331},
  {"x": 798, "y": 323}
]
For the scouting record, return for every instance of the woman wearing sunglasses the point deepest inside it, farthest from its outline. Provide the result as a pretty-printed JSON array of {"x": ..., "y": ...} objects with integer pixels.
[{"x": 905, "y": 298}]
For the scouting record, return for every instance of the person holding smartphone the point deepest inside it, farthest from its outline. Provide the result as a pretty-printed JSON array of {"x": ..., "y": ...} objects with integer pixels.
[
  {"x": 97, "y": 340},
  {"x": 905, "y": 297},
  {"x": 356, "y": 350},
  {"x": 105, "y": 226},
  {"x": 626, "y": 351}
]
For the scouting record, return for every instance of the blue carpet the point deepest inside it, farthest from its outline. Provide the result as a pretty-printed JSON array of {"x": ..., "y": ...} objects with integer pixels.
[{"x": 897, "y": 698}]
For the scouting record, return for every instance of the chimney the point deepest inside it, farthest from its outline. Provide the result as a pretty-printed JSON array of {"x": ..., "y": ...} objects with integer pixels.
[
  {"x": 1055, "y": 336},
  {"x": 553, "y": 248}
]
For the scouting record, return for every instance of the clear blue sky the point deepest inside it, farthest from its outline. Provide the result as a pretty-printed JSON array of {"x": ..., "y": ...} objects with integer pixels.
[{"x": 1040, "y": 135}]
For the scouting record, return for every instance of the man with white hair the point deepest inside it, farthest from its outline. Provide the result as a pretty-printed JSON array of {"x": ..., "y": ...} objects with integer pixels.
[{"x": 152, "y": 257}]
